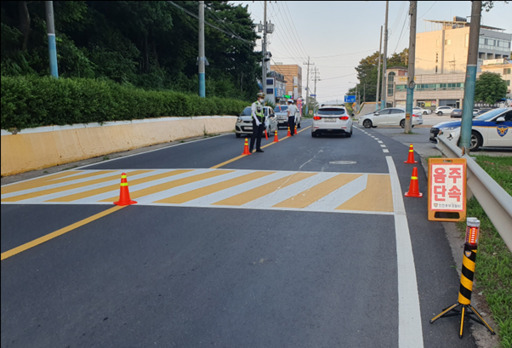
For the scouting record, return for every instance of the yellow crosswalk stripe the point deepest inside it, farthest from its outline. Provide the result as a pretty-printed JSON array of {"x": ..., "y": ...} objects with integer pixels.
[
  {"x": 65, "y": 188},
  {"x": 313, "y": 194},
  {"x": 50, "y": 180},
  {"x": 376, "y": 196},
  {"x": 188, "y": 196},
  {"x": 263, "y": 190},
  {"x": 173, "y": 184},
  {"x": 105, "y": 189}
]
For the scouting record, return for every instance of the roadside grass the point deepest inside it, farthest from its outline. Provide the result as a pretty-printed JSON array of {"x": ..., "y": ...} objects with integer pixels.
[{"x": 493, "y": 272}]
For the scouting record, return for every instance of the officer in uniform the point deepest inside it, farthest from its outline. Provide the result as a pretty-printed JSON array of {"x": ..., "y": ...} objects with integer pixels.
[
  {"x": 292, "y": 110},
  {"x": 258, "y": 122}
]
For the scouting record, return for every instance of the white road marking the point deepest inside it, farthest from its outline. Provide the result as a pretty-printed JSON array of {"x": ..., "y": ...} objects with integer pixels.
[{"x": 410, "y": 332}]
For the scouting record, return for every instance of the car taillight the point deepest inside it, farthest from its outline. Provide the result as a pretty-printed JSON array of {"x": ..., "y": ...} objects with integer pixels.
[
  {"x": 344, "y": 118},
  {"x": 316, "y": 118}
]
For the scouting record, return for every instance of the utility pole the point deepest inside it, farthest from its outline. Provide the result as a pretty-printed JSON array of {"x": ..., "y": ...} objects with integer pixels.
[
  {"x": 307, "y": 86},
  {"x": 469, "y": 83},
  {"x": 264, "y": 49},
  {"x": 378, "y": 72},
  {"x": 410, "y": 72},
  {"x": 52, "y": 46},
  {"x": 384, "y": 60},
  {"x": 316, "y": 78},
  {"x": 201, "y": 51}
]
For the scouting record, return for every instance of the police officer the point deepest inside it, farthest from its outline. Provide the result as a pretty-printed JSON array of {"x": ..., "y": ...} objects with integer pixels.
[
  {"x": 258, "y": 122},
  {"x": 292, "y": 110}
]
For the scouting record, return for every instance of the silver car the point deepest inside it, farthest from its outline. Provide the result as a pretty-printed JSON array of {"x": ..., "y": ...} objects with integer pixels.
[
  {"x": 281, "y": 112},
  {"x": 243, "y": 124},
  {"x": 331, "y": 120}
]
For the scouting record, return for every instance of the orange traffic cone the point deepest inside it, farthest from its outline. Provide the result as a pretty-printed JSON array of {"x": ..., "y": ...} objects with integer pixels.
[
  {"x": 295, "y": 130},
  {"x": 246, "y": 148},
  {"x": 124, "y": 195},
  {"x": 414, "y": 190},
  {"x": 289, "y": 134},
  {"x": 410, "y": 158},
  {"x": 266, "y": 135},
  {"x": 276, "y": 139}
]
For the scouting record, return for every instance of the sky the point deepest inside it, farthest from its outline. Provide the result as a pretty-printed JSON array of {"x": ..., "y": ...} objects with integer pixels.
[{"x": 336, "y": 35}]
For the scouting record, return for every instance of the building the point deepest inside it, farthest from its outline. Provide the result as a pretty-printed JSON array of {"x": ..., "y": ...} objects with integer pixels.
[
  {"x": 500, "y": 66},
  {"x": 440, "y": 64},
  {"x": 276, "y": 87},
  {"x": 293, "y": 76},
  {"x": 445, "y": 51}
]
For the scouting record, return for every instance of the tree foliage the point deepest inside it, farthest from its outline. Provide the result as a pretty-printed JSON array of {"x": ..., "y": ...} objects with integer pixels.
[
  {"x": 367, "y": 73},
  {"x": 148, "y": 44},
  {"x": 489, "y": 88}
]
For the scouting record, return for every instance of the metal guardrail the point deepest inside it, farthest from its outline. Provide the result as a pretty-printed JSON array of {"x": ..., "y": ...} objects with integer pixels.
[{"x": 495, "y": 201}]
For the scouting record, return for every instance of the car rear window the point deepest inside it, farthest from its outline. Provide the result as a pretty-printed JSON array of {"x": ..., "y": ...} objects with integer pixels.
[
  {"x": 280, "y": 108},
  {"x": 331, "y": 111}
]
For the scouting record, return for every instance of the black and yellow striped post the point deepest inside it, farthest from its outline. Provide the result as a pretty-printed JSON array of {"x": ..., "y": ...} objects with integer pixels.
[{"x": 466, "y": 281}]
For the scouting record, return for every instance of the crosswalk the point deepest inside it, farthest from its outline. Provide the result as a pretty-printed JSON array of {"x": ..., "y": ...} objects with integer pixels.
[{"x": 214, "y": 188}]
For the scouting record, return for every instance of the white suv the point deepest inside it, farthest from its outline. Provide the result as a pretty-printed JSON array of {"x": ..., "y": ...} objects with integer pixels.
[
  {"x": 444, "y": 110},
  {"x": 331, "y": 120}
]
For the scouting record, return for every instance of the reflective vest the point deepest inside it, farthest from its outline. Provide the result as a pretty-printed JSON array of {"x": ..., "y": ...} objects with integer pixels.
[{"x": 259, "y": 112}]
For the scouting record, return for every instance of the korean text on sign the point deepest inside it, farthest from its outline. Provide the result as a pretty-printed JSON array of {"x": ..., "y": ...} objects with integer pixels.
[{"x": 447, "y": 187}]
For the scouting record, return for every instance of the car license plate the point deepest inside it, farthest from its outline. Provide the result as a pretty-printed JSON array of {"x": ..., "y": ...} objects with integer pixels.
[{"x": 331, "y": 119}]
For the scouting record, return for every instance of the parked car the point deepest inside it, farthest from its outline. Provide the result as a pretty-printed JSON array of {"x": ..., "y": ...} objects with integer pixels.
[
  {"x": 331, "y": 120},
  {"x": 480, "y": 111},
  {"x": 417, "y": 110},
  {"x": 243, "y": 124},
  {"x": 456, "y": 113},
  {"x": 281, "y": 112},
  {"x": 493, "y": 129},
  {"x": 443, "y": 110},
  {"x": 389, "y": 117}
]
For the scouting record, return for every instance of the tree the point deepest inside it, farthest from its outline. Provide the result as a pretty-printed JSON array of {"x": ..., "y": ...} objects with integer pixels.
[
  {"x": 148, "y": 44},
  {"x": 367, "y": 72},
  {"x": 489, "y": 88}
]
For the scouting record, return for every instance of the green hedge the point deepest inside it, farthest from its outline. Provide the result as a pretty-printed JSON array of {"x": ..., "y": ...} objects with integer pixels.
[{"x": 31, "y": 101}]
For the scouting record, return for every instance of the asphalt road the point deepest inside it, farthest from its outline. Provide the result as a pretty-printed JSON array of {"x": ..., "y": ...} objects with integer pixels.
[{"x": 336, "y": 258}]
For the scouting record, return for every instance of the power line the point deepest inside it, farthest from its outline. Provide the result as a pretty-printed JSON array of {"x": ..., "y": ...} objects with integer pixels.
[{"x": 231, "y": 35}]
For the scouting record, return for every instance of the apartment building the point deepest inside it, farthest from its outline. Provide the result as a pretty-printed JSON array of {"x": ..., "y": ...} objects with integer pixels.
[{"x": 440, "y": 64}]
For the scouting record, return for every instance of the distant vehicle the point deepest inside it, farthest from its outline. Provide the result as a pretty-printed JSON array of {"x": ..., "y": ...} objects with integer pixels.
[
  {"x": 417, "y": 110},
  {"x": 281, "y": 112},
  {"x": 389, "y": 117},
  {"x": 456, "y": 113},
  {"x": 443, "y": 110},
  {"x": 331, "y": 120},
  {"x": 480, "y": 111},
  {"x": 490, "y": 129},
  {"x": 243, "y": 124}
]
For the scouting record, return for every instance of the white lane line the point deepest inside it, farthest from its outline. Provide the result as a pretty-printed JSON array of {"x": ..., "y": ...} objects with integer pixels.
[{"x": 410, "y": 332}]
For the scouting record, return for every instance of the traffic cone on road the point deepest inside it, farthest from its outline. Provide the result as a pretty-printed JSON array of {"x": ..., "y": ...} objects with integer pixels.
[
  {"x": 246, "y": 148},
  {"x": 414, "y": 190},
  {"x": 124, "y": 195},
  {"x": 410, "y": 158},
  {"x": 266, "y": 135},
  {"x": 289, "y": 134},
  {"x": 295, "y": 130},
  {"x": 276, "y": 139}
]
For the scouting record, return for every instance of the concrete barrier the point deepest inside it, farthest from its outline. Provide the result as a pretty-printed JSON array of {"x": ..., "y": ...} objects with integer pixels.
[{"x": 43, "y": 147}]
